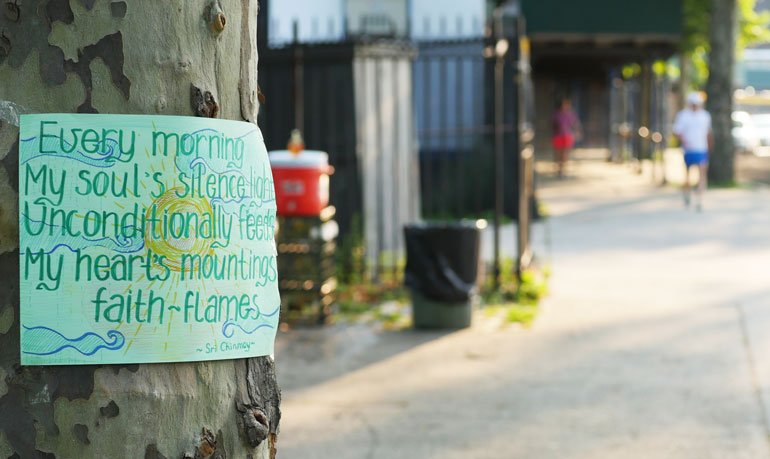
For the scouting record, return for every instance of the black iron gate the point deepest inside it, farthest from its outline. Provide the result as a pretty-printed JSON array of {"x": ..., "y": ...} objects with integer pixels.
[
  {"x": 473, "y": 103},
  {"x": 454, "y": 106},
  {"x": 468, "y": 99}
]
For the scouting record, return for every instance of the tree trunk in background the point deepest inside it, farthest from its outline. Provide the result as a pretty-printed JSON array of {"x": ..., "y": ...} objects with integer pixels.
[
  {"x": 684, "y": 80},
  {"x": 140, "y": 57},
  {"x": 720, "y": 89}
]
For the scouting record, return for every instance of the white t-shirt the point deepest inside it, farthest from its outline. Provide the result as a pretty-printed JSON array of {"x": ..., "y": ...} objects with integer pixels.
[{"x": 693, "y": 127}]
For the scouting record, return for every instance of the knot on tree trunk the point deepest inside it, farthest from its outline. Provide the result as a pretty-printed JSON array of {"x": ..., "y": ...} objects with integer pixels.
[
  {"x": 217, "y": 20},
  {"x": 203, "y": 103},
  {"x": 210, "y": 447},
  {"x": 256, "y": 427}
]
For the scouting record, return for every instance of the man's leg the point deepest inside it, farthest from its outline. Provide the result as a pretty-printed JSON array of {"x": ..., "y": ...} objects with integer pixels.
[
  {"x": 702, "y": 181},
  {"x": 686, "y": 187}
]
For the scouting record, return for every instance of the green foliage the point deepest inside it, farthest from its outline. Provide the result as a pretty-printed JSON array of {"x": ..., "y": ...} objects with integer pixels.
[
  {"x": 522, "y": 313},
  {"x": 349, "y": 260},
  {"x": 516, "y": 301},
  {"x": 384, "y": 302},
  {"x": 695, "y": 26},
  {"x": 695, "y": 43},
  {"x": 700, "y": 65},
  {"x": 752, "y": 29},
  {"x": 724, "y": 184},
  {"x": 631, "y": 70},
  {"x": 532, "y": 287},
  {"x": 356, "y": 296},
  {"x": 543, "y": 210},
  {"x": 529, "y": 291},
  {"x": 752, "y": 26}
]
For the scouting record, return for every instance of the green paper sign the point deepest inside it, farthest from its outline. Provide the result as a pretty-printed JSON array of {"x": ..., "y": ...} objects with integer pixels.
[{"x": 145, "y": 239}]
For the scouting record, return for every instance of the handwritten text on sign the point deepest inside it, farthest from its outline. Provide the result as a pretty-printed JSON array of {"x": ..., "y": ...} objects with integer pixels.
[{"x": 145, "y": 239}]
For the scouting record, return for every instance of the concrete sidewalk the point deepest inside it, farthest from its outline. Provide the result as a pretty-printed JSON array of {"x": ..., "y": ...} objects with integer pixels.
[{"x": 653, "y": 343}]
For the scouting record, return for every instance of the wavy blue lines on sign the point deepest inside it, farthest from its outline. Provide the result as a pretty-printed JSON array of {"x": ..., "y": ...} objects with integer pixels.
[
  {"x": 227, "y": 326},
  {"x": 47, "y": 341},
  {"x": 106, "y": 156}
]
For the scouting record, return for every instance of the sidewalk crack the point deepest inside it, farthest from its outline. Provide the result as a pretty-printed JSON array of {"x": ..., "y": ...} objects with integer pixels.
[
  {"x": 753, "y": 371},
  {"x": 375, "y": 439}
]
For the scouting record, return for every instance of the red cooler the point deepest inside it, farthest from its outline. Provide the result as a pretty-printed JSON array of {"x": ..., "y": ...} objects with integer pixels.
[{"x": 301, "y": 181}]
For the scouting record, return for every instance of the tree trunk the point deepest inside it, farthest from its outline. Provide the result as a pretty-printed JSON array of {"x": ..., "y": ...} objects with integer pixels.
[
  {"x": 684, "y": 80},
  {"x": 720, "y": 90},
  {"x": 124, "y": 57}
]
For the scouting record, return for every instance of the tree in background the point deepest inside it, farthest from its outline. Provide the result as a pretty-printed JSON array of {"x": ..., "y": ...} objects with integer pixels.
[
  {"x": 719, "y": 88},
  {"x": 710, "y": 45},
  {"x": 141, "y": 57},
  {"x": 752, "y": 28}
]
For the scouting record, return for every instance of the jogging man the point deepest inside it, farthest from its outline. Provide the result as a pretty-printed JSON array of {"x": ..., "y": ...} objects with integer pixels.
[{"x": 692, "y": 128}]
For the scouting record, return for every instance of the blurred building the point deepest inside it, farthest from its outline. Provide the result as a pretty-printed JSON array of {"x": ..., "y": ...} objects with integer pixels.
[
  {"x": 334, "y": 20},
  {"x": 348, "y": 89},
  {"x": 753, "y": 69},
  {"x": 310, "y": 20},
  {"x": 393, "y": 88},
  {"x": 387, "y": 18},
  {"x": 579, "y": 50}
]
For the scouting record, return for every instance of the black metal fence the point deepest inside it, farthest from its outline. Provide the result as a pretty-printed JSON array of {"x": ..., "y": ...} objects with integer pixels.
[
  {"x": 353, "y": 100},
  {"x": 311, "y": 88},
  {"x": 454, "y": 106},
  {"x": 640, "y": 119},
  {"x": 410, "y": 128}
]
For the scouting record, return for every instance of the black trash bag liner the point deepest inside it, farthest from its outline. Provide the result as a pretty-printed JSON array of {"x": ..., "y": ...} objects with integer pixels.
[{"x": 442, "y": 260}]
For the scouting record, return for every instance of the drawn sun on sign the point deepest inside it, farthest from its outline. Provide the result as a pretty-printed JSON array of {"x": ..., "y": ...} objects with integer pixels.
[
  {"x": 181, "y": 237},
  {"x": 176, "y": 249}
]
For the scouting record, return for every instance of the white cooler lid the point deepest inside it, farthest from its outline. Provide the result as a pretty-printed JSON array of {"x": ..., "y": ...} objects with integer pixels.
[{"x": 305, "y": 159}]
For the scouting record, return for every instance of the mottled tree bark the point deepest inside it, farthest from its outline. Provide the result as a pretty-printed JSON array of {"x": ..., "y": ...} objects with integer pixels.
[
  {"x": 141, "y": 56},
  {"x": 720, "y": 90}
]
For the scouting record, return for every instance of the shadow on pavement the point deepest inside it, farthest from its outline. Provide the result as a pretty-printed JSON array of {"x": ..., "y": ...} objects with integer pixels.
[
  {"x": 311, "y": 355},
  {"x": 675, "y": 383}
]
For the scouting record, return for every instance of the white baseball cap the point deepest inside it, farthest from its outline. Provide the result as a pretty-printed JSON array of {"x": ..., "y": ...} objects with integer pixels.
[{"x": 695, "y": 98}]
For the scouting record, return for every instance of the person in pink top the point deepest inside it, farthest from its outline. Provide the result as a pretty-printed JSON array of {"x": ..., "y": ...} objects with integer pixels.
[{"x": 565, "y": 126}]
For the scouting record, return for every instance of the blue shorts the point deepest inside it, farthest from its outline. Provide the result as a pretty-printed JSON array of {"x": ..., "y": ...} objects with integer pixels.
[{"x": 692, "y": 158}]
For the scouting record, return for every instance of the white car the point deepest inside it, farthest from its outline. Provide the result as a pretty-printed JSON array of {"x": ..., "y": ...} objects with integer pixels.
[
  {"x": 762, "y": 126},
  {"x": 744, "y": 133}
]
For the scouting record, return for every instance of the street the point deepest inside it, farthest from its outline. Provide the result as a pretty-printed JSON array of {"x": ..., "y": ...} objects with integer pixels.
[{"x": 652, "y": 343}]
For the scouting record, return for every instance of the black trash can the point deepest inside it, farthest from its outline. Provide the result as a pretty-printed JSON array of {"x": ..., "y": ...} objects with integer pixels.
[{"x": 442, "y": 261}]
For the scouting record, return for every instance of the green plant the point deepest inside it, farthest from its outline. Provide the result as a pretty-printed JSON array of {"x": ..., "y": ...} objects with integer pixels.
[
  {"x": 524, "y": 314},
  {"x": 349, "y": 262},
  {"x": 365, "y": 300},
  {"x": 724, "y": 184},
  {"x": 516, "y": 299}
]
